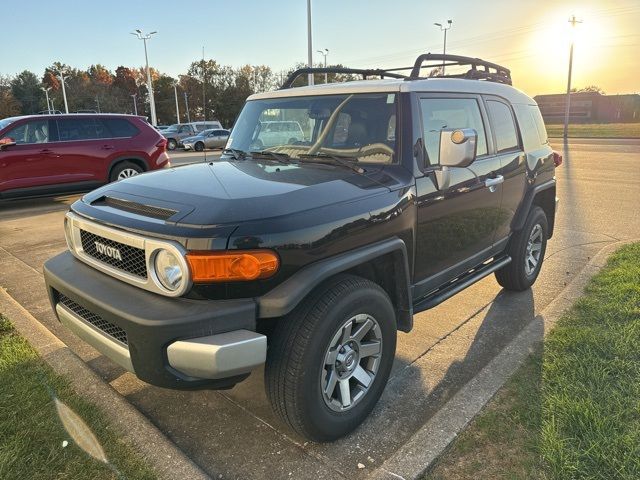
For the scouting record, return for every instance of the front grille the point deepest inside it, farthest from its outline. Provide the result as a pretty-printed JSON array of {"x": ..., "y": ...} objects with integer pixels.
[
  {"x": 134, "y": 207},
  {"x": 97, "y": 321},
  {"x": 132, "y": 259}
]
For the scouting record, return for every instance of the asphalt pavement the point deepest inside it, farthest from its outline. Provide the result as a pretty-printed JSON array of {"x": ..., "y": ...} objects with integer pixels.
[{"x": 234, "y": 434}]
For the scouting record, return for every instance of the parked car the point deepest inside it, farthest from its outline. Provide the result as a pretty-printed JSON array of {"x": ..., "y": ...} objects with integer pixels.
[
  {"x": 309, "y": 257},
  {"x": 51, "y": 154},
  {"x": 179, "y": 131},
  {"x": 277, "y": 133},
  {"x": 214, "y": 138}
]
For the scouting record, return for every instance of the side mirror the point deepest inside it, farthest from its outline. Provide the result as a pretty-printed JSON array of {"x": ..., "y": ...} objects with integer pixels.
[
  {"x": 7, "y": 142},
  {"x": 458, "y": 147}
]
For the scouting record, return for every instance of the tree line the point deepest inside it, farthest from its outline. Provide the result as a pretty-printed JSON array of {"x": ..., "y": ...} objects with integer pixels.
[{"x": 208, "y": 90}]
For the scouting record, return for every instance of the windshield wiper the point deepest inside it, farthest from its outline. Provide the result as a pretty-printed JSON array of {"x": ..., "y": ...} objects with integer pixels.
[
  {"x": 330, "y": 159},
  {"x": 236, "y": 153},
  {"x": 278, "y": 157}
]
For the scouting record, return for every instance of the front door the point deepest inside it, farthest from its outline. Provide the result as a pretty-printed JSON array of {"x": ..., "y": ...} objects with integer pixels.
[{"x": 456, "y": 223}]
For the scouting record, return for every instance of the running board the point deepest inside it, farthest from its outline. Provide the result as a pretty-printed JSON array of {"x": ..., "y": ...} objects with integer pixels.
[{"x": 447, "y": 291}]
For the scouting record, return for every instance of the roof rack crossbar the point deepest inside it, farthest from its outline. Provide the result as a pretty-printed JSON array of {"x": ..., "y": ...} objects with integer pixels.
[
  {"x": 500, "y": 73},
  {"x": 369, "y": 72}
]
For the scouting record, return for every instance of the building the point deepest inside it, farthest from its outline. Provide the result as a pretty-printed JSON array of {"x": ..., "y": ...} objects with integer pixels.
[{"x": 590, "y": 107}]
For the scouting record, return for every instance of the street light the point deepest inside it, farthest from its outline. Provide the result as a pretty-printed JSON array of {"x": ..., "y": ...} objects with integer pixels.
[
  {"x": 46, "y": 92},
  {"x": 135, "y": 104},
  {"x": 444, "y": 28},
  {"x": 324, "y": 52},
  {"x": 573, "y": 21},
  {"x": 141, "y": 36},
  {"x": 61, "y": 72},
  {"x": 175, "y": 90},
  {"x": 309, "y": 43}
]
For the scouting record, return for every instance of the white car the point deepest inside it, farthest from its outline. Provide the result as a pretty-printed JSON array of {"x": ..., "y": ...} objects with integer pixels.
[{"x": 273, "y": 133}]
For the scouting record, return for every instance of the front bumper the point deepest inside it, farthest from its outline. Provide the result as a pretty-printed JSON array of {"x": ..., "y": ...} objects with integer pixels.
[
  {"x": 187, "y": 146},
  {"x": 168, "y": 342}
]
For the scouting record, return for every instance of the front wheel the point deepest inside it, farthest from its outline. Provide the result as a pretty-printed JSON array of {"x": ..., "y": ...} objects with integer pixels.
[
  {"x": 329, "y": 360},
  {"x": 526, "y": 248},
  {"x": 199, "y": 147}
]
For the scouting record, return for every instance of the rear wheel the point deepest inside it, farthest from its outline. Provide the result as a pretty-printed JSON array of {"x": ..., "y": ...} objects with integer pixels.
[
  {"x": 329, "y": 360},
  {"x": 125, "y": 170},
  {"x": 199, "y": 146},
  {"x": 172, "y": 144},
  {"x": 526, "y": 248}
]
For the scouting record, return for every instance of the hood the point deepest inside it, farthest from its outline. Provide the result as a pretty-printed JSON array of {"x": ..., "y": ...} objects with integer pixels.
[{"x": 232, "y": 192}]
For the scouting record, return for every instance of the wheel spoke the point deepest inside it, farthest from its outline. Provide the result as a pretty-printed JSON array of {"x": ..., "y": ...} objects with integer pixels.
[
  {"x": 331, "y": 383},
  {"x": 536, "y": 247},
  {"x": 362, "y": 331},
  {"x": 362, "y": 376},
  {"x": 331, "y": 357},
  {"x": 368, "y": 349},
  {"x": 346, "y": 333},
  {"x": 345, "y": 393}
]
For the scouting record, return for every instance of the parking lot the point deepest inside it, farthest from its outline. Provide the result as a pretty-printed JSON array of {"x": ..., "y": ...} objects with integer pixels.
[{"x": 233, "y": 433}]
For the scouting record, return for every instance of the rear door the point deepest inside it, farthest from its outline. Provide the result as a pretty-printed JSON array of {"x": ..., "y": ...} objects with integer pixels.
[
  {"x": 456, "y": 224},
  {"x": 32, "y": 162}
]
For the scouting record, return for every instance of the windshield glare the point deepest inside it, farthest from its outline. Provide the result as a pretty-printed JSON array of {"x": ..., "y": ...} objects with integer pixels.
[{"x": 357, "y": 126}]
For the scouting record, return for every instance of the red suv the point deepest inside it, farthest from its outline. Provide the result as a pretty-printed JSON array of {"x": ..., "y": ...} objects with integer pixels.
[{"x": 50, "y": 154}]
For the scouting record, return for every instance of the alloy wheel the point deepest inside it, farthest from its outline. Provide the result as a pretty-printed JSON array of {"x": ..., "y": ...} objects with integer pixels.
[
  {"x": 533, "y": 250},
  {"x": 127, "y": 172}
]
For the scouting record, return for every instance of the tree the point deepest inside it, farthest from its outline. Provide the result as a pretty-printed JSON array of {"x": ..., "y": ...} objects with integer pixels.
[
  {"x": 25, "y": 88},
  {"x": 9, "y": 106},
  {"x": 589, "y": 89}
]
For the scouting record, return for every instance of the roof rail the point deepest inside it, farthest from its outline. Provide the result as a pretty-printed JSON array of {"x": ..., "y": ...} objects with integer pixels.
[
  {"x": 369, "y": 72},
  {"x": 500, "y": 73}
]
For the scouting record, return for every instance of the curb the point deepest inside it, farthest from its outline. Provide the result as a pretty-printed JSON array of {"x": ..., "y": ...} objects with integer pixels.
[
  {"x": 158, "y": 451},
  {"x": 414, "y": 458},
  {"x": 594, "y": 138}
]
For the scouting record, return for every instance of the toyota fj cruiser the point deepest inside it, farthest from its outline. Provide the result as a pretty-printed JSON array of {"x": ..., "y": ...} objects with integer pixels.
[{"x": 310, "y": 255}]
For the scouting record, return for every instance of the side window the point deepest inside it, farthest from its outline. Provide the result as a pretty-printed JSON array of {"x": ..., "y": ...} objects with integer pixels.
[
  {"x": 539, "y": 121},
  {"x": 71, "y": 129},
  {"x": 503, "y": 126},
  {"x": 120, "y": 128},
  {"x": 441, "y": 113},
  {"x": 36, "y": 131}
]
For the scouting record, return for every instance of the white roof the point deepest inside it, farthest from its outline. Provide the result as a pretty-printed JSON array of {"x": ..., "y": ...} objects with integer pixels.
[{"x": 427, "y": 85}]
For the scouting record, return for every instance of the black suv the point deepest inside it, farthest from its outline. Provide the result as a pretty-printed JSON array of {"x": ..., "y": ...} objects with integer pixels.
[{"x": 310, "y": 255}]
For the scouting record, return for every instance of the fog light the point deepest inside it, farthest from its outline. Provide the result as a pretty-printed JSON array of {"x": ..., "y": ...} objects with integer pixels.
[{"x": 168, "y": 270}]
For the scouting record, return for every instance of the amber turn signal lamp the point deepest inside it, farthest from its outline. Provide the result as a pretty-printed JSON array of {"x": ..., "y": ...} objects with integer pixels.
[{"x": 230, "y": 266}]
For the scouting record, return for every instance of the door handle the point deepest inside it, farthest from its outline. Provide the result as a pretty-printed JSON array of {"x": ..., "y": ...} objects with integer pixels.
[
  {"x": 107, "y": 147},
  {"x": 492, "y": 183}
]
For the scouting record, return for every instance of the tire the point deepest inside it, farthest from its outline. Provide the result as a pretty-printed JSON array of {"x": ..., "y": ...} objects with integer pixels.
[
  {"x": 124, "y": 170},
  {"x": 304, "y": 356},
  {"x": 521, "y": 273},
  {"x": 172, "y": 144},
  {"x": 199, "y": 147}
]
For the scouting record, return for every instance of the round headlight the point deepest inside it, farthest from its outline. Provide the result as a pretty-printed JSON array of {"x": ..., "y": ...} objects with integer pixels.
[{"x": 168, "y": 270}]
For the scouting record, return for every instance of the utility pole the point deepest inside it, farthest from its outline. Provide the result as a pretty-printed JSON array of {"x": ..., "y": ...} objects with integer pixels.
[
  {"x": 135, "y": 104},
  {"x": 309, "y": 43},
  {"x": 46, "y": 92},
  {"x": 324, "y": 52},
  {"x": 98, "y": 103},
  {"x": 64, "y": 92},
  {"x": 186, "y": 102},
  {"x": 175, "y": 91},
  {"x": 573, "y": 21},
  {"x": 138, "y": 33},
  {"x": 444, "y": 28},
  {"x": 204, "y": 81}
]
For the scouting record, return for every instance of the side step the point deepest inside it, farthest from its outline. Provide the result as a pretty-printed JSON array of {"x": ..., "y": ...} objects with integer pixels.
[{"x": 447, "y": 291}]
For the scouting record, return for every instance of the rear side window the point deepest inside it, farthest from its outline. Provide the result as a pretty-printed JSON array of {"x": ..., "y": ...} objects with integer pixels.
[
  {"x": 72, "y": 129},
  {"x": 503, "y": 126},
  {"x": 539, "y": 121},
  {"x": 119, "y": 128},
  {"x": 441, "y": 113},
  {"x": 534, "y": 133}
]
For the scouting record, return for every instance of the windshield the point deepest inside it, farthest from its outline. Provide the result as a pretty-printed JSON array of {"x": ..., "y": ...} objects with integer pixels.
[
  {"x": 6, "y": 122},
  {"x": 361, "y": 127}
]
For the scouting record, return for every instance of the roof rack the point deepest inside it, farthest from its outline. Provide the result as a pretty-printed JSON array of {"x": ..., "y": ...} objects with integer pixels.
[
  {"x": 480, "y": 70},
  {"x": 499, "y": 75},
  {"x": 368, "y": 72}
]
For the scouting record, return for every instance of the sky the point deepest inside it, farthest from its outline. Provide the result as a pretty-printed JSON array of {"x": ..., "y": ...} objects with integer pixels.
[{"x": 531, "y": 37}]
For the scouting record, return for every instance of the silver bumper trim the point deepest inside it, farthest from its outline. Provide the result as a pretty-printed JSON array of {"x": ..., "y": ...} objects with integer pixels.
[
  {"x": 218, "y": 356},
  {"x": 96, "y": 338}
]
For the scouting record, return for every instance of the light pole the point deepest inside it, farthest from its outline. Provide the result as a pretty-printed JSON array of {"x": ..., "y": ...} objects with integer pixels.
[
  {"x": 135, "y": 104},
  {"x": 309, "y": 43},
  {"x": 444, "y": 28},
  {"x": 324, "y": 52},
  {"x": 141, "y": 36},
  {"x": 46, "y": 92},
  {"x": 64, "y": 92},
  {"x": 175, "y": 90},
  {"x": 186, "y": 103},
  {"x": 573, "y": 21}
]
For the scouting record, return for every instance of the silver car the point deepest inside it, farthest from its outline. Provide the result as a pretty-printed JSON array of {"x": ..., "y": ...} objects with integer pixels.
[{"x": 212, "y": 138}]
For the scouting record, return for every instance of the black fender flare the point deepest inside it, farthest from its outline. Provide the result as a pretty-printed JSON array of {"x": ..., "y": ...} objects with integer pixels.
[
  {"x": 521, "y": 215},
  {"x": 286, "y": 296}
]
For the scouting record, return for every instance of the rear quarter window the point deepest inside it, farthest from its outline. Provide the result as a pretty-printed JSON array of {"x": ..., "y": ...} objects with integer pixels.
[
  {"x": 119, "y": 128},
  {"x": 534, "y": 133}
]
